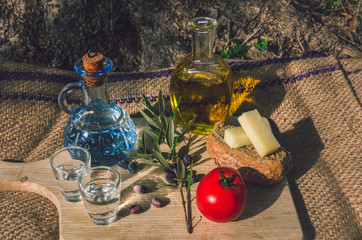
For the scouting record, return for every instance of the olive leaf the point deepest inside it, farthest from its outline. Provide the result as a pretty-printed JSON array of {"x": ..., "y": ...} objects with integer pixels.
[
  {"x": 162, "y": 160},
  {"x": 161, "y": 102},
  {"x": 143, "y": 157},
  {"x": 180, "y": 170},
  {"x": 157, "y": 147},
  {"x": 147, "y": 104},
  {"x": 188, "y": 127},
  {"x": 153, "y": 135},
  {"x": 148, "y": 119},
  {"x": 160, "y": 134},
  {"x": 170, "y": 132},
  {"x": 164, "y": 118}
]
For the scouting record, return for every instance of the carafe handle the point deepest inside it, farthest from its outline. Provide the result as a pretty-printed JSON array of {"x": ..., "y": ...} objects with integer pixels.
[{"x": 63, "y": 95}]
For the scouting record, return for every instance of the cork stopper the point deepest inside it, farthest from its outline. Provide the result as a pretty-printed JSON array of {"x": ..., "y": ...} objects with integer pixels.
[{"x": 92, "y": 63}]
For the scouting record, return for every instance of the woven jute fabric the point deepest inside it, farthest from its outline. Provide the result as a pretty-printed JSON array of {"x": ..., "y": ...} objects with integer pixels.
[
  {"x": 26, "y": 215},
  {"x": 313, "y": 103},
  {"x": 352, "y": 69}
]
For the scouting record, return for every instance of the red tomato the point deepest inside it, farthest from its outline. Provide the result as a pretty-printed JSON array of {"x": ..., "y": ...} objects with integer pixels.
[{"x": 221, "y": 200}]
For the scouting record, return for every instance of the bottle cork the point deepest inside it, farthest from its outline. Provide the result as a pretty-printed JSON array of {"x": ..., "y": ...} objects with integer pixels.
[{"x": 93, "y": 62}]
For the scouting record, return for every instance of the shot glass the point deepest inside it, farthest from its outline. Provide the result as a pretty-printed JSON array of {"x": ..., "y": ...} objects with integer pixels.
[
  {"x": 101, "y": 190},
  {"x": 68, "y": 165}
]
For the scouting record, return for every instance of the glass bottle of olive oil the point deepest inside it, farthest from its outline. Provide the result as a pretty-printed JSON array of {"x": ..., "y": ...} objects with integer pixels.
[{"x": 203, "y": 81}]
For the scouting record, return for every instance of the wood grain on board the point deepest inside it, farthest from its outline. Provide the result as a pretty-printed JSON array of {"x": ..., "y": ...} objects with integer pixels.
[{"x": 269, "y": 213}]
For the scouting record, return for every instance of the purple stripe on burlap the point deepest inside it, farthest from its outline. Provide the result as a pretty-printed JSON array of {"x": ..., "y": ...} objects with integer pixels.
[
  {"x": 294, "y": 78},
  {"x": 48, "y": 98},
  {"x": 35, "y": 76},
  {"x": 29, "y": 96},
  {"x": 347, "y": 57},
  {"x": 31, "y": 76},
  {"x": 119, "y": 77},
  {"x": 138, "y": 76},
  {"x": 46, "y": 77},
  {"x": 247, "y": 65},
  {"x": 138, "y": 99},
  {"x": 353, "y": 72}
]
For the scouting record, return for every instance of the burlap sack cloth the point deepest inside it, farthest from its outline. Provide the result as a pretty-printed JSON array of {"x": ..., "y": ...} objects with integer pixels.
[{"x": 314, "y": 102}]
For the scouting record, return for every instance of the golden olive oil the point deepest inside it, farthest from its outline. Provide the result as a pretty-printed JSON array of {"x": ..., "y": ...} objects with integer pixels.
[{"x": 205, "y": 91}]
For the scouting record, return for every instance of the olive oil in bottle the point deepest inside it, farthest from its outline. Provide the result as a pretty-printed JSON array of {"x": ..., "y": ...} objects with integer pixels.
[{"x": 202, "y": 80}]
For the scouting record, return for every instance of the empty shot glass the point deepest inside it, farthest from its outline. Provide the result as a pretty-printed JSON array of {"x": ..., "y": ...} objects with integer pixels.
[
  {"x": 68, "y": 165},
  {"x": 101, "y": 189}
]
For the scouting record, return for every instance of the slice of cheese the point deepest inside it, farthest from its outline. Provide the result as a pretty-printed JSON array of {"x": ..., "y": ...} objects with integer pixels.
[
  {"x": 258, "y": 132},
  {"x": 236, "y": 137}
]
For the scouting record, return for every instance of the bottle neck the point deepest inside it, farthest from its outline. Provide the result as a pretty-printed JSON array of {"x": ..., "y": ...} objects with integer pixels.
[
  {"x": 96, "y": 93},
  {"x": 202, "y": 45},
  {"x": 94, "y": 83}
]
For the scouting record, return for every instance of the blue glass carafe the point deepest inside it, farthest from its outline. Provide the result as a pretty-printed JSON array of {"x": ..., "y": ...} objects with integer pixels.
[{"x": 98, "y": 125}]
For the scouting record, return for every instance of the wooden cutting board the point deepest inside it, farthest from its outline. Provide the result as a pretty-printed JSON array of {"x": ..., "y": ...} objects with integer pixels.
[{"x": 269, "y": 213}]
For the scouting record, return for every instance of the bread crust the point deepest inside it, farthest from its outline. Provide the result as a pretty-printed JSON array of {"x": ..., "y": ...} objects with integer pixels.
[{"x": 254, "y": 169}]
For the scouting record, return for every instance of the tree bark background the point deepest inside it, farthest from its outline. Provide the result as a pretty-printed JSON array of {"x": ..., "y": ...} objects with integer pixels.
[{"x": 141, "y": 35}]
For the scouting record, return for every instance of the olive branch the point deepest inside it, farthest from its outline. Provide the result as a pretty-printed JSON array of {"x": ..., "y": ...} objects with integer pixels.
[{"x": 163, "y": 131}]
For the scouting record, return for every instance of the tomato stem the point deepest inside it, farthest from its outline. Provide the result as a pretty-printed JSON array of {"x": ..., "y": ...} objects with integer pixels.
[{"x": 227, "y": 182}]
